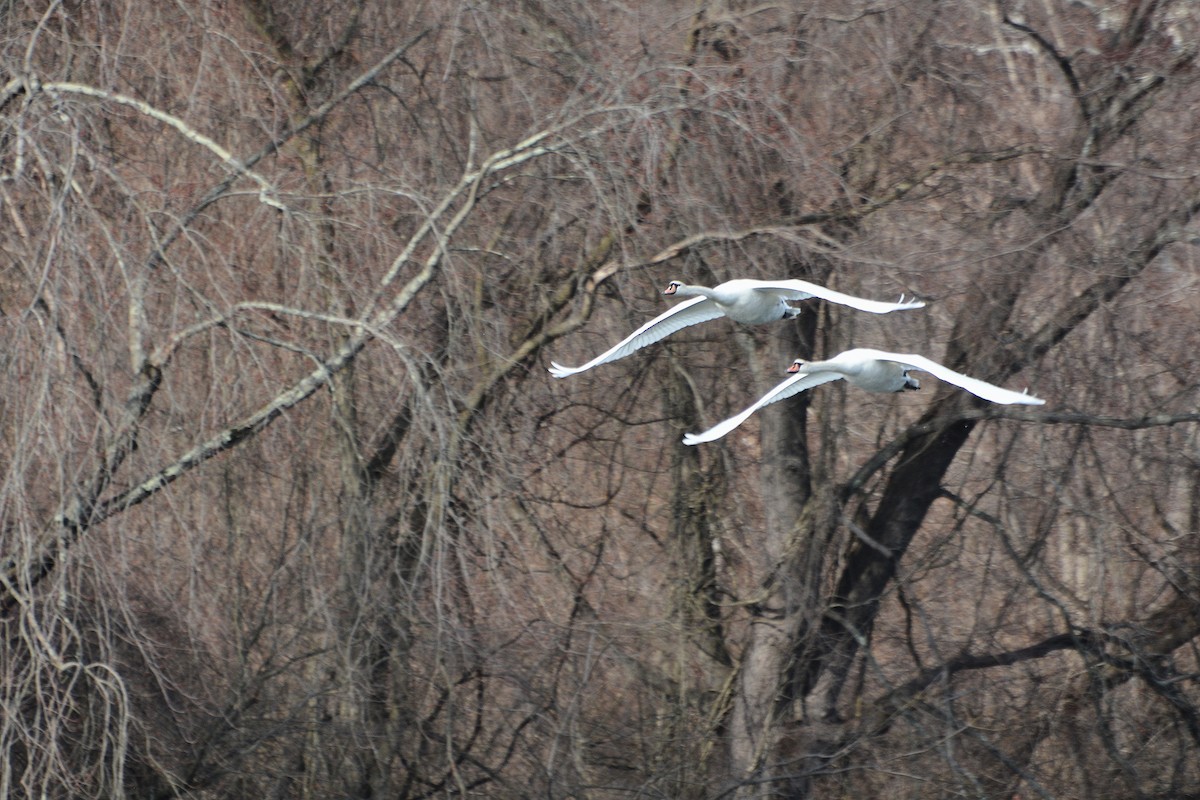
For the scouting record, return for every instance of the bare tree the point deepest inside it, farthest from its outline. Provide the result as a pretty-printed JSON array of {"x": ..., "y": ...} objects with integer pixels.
[
  {"x": 291, "y": 507},
  {"x": 837, "y": 539}
]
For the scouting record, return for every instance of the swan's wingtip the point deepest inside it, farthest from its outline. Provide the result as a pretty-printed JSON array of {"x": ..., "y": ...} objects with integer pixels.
[
  {"x": 559, "y": 371},
  {"x": 691, "y": 439},
  {"x": 1025, "y": 398}
]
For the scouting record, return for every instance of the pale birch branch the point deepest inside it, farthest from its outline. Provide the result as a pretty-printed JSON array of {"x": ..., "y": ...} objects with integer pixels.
[
  {"x": 265, "y": 189},
  {"x": 464, "y": 192}
]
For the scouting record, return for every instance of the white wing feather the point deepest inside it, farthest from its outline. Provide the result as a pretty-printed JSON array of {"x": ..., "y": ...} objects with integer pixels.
[
  {"x": 690, "y": 312},
  {"x": 801, "y": 290},
  {"x": 975, "y": 386},
  {"x": 793, "y": 385}
]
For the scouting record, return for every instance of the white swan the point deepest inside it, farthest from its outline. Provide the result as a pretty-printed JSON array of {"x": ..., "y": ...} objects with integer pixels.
[
  {"x": 873, "y": 370},
  {"x": 743, "y": 300}
]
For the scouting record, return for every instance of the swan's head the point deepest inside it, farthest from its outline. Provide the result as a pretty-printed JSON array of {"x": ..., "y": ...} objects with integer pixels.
[
  {"x": 910, "y": 383},
  {"x": 796, "y": 366},
  {"x": 672, "y": 287}
]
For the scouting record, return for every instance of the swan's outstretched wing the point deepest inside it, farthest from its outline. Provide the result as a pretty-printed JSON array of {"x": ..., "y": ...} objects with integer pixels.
[
  {"x": 975, "y": 386},
  {"x": 801, "y": 290},
  {"x": 793, "y": 385},
  {"x": 689, "y": 312}
]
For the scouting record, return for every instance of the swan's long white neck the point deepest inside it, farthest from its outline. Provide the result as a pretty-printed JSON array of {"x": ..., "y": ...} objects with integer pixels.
[
  {"x": 826, "y": 366},
  {"x": 687, "y": 290},
  {"x": 871, "y": 374}
]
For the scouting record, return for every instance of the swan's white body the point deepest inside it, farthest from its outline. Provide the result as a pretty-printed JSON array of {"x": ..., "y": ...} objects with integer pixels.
[
  {"x": 744, "y": 300},
  {"x": 872, "y": 370}
]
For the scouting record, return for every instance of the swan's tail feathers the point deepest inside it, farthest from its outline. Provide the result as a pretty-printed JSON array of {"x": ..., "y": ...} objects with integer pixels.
[{"x": 559, "y": 371}]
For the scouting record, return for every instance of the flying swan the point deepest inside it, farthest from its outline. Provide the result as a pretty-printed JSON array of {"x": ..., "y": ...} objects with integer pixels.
[
  {"x": 744, "y": 300},
  {"x": 873, "y": 370}
]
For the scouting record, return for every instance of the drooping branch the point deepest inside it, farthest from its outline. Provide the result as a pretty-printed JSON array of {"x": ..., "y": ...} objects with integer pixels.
[
  {"x": 87, "y": 509},
  {"x": 464, "y": 193},
  {"x": 266, "y": 190},
  {"x": 218, "y": 191}
]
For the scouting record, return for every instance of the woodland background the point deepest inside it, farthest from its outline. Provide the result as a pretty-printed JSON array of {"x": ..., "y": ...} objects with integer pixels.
[{"x": 290, "y": 507}]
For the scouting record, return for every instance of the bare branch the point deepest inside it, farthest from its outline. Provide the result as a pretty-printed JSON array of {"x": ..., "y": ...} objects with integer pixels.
[
  {"x": 893, "y": 448},
  {"x": 266, "y": 192}
]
